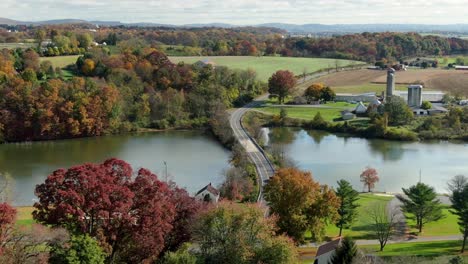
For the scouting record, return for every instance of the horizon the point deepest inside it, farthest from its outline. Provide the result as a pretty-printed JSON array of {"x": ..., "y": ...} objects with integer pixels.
[{"x": 243, "y": 12}]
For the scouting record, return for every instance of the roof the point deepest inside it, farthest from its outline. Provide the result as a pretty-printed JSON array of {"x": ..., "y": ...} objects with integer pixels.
[
  {"x": 208, "y": 188},
  {"x": 360, "y": 107},
  {"x": 328, "y": 247},
  {"x": 376, "y": 102},
  {"x": 206, "y": 62}
]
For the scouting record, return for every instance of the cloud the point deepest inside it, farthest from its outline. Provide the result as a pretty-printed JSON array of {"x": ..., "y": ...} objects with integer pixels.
[{"x": 243, "y": 11}]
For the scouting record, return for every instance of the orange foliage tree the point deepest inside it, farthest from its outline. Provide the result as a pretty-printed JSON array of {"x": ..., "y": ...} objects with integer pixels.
[{"x": 300, "y": 203}]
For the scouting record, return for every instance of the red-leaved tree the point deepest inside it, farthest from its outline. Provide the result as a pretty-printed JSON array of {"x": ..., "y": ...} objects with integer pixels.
[
  {"x": 7, "y": 217},
  {"x": 369, "y": 177},
  {"x": 281, "y": 84},
  {"x": 133, "y": 216}
]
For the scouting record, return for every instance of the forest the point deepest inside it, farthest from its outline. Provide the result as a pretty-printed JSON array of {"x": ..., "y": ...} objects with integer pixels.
[
  {"x": 252, "y": 41},
  {"x": 136, "y": 88}
]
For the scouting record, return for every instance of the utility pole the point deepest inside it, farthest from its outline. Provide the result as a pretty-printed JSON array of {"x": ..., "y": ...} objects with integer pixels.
[
  {"x": 165, "y": 176},
  {"x": 419, "y": 175}
]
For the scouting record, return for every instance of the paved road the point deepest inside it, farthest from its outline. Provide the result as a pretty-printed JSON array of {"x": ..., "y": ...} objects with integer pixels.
[{"x": 263, "y": 165}]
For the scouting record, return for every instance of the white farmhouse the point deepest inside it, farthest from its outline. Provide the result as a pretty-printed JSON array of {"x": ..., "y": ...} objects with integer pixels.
[{"x": 208, "y": 194}]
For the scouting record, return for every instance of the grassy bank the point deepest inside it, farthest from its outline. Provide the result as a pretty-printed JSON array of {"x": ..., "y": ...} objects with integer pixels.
[
  {"x": 446, "y": 226},
  {"x": 361, "y": 228},
  {"x": 433, "y": 248},
  {"x": 266, "y": 66}
]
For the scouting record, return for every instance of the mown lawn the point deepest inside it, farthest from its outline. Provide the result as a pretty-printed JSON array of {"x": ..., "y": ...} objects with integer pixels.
[
  {"x": 306, "y": 113},
  {"x": 266, "y": 66},
  {"x": 61, "y": 61},
  {"x": 361, "y": 228},
  {"x": 24, "y": 215},
  {"x": 445, "y": 226},
  {"x": 433, "y": 248}
]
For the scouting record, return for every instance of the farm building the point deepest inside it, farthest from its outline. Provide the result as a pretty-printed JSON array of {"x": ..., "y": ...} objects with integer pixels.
[
  {"x": 360, "y": 108},
  {"x": 461, "y": 68},
  {"x": 431, "y": 96},
  {"x": 325, "y": 251},
  {"x": 347, "y": 115},
  {"x": 374, "y": 105},
  {"x": 208, "y": 194},
  {"x": 365, "y": 97}
]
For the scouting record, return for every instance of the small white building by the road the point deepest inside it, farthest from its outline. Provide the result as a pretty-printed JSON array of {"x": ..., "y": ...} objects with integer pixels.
[
  {"x": 326, "y": 251},
  {"x": 360, "y": 108},
  {"x": 208, "y": 194}
]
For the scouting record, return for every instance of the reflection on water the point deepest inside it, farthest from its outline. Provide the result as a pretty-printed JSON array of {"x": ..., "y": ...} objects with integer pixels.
[
  {"x": 193, "y": 159},
  {"x": 332, "y": 157}
]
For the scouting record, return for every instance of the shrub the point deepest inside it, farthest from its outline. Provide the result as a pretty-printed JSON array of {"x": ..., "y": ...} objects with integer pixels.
[{"x": 426, "y": 105}]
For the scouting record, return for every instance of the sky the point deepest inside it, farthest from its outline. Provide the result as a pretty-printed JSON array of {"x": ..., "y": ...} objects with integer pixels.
[{"x": 243, "y": 12}]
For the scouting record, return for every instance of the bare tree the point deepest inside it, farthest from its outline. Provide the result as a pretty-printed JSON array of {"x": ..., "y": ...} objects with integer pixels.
[
  {"x": 383, "y": 223},
  {"x": 6, "y": 186},
  {"x": 457, "y": 183}
]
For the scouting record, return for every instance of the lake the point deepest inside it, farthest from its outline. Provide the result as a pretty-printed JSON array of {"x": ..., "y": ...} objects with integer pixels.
[
  {"x": 332, "y": 157},
  {"x": 193, "y": 158}
]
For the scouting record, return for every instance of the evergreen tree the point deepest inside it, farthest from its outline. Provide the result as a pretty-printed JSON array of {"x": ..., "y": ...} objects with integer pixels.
[
  {"x": 459, "y": 199},
  {"x": 422, "y": 203},
  {"x": 345, "y": 253},
  {"x": 348, "y": 204}
]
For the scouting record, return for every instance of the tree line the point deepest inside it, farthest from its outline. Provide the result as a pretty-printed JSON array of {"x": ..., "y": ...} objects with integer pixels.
[
  {"x": 383, "y": 47},
  {"x": 137, "y": 88}
]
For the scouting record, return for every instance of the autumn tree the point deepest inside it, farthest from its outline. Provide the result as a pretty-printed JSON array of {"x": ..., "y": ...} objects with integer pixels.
[
  {"x": 300, "y": 203},
  {"x": 327, "y": 94},
  {"x": 85, "y": 40},
  {"x": 313, "y": 92},
  {"x": 347, "y": 210},
  {"x": 421, "y": 203},
  {"x": 281, "y": 84},
  {"x": 240, "y": 233},
  {"x": 140, "y": 211},
  {"x": 369, "y": 177},
  {"x": 7, "y": 218}
]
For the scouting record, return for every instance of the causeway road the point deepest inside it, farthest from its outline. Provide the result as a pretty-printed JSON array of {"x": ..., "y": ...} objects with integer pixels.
[{"x": 256, "y": 154}]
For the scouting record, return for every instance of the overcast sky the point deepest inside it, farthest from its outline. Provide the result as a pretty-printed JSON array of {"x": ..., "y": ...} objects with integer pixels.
[{"x": 242, "y": 12}]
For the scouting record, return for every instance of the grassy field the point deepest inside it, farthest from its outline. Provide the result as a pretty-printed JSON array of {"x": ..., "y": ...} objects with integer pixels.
[
  {"x": 306, "y": 113},
  {"x": 266, "y": 66},
  {"x": 24, "y": 215},
  {"x": 330, "y": 111},
  {"x": 361, "y": 227},
  {"x": 445, "y": 226},
  {"x": 180, "y": 50},
  {"x": 361, "y": 81},
  {"x": 61, "y": 61},
  {"x": 17, "y": 45},
  {"x": 435, "y": 248}
]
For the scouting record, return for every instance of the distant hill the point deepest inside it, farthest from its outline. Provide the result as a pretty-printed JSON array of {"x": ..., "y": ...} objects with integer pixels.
[{"x": 291, "y": 28}]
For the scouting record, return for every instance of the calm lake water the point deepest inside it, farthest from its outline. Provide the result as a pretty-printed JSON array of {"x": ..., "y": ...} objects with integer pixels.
[
  {"x": 332, "y": 157},
  {"x": 193, "y": 158}
]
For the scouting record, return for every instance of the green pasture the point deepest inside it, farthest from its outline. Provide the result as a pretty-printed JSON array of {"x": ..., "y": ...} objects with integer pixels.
[{"x": 266, "y": 66}]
